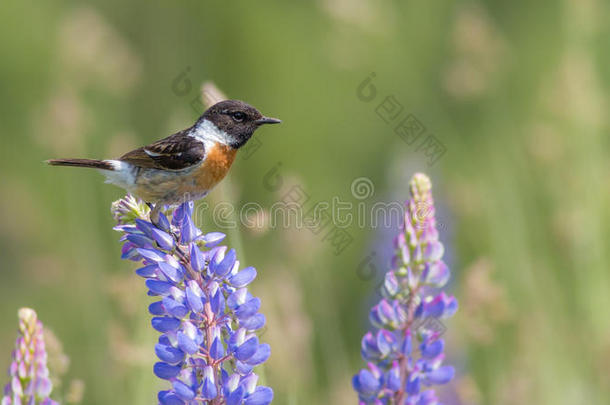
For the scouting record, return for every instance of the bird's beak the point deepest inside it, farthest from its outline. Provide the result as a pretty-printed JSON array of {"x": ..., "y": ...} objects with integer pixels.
[{"x": 268, "y": 120}]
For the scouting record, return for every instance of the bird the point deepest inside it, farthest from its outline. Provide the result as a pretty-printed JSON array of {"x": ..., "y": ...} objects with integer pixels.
[{"x": 186, "y": 165}]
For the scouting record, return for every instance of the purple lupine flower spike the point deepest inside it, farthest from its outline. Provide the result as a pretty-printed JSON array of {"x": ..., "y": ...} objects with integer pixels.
[
  {"x": 30, "y": 383},
  {"x": 207, "y": 318},
  {"x": 404, "y": 352}
]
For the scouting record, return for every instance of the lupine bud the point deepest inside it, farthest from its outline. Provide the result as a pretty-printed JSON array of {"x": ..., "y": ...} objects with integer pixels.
[
  {"x": 28, "y": 372},
  {"x": 409, "y": 310},
  {"x": 207, "y": 318},
  {"x": 127, "y": 209}
]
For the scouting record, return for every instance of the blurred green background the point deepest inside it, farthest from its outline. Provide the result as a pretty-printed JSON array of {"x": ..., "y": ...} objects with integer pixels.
[{"x": 516, "y": 92}]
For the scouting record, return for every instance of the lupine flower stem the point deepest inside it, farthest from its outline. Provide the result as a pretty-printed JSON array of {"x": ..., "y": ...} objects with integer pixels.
[
  {"x": 208, "y": 346},
  {"x": 411, "y": 309}
]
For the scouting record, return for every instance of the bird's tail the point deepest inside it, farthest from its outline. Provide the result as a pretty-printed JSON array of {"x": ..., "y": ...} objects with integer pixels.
[{"x": 91, "y": 163}]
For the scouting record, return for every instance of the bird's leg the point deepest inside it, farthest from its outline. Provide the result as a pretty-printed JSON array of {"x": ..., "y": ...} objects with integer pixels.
[
  {"x": 154, "y": 213},
  {"x": 155, "y": 210}
]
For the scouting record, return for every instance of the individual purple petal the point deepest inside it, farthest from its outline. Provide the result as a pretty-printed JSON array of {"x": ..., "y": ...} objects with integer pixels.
[
  {"x": 393, "y": 378},
  {"x": 144, "y": 227},
  {"x": 434, "y": 308},
  {"x": 15, "y": 384},
  {"x": 178, "y": 216},
  {"x": 374, "y": 317},
  {"x": 385, "y": 342},
  {"x": 391, "y": 286},
  {"x": 164, "y": 239},
  {"x": 194, "y": 296},
  {"x": 419, "y": 311},
  {"x": 216, "y": 256},
  {"x": 248, "y": 309},
  {"x": 188, "y": 231},
  {"x": 156, "y": 308},
  {"x": 147, "y": 271},
  {"x": 214, "y": 251},
  {"x": 243, "y": 278},
  {"x": 369, "y": 349},
  {"x": 129, "y": 252},
  {"x": 140, "y": 241},
  {"x": 218, "y": 303},
  {"x": 433, "y": 349},
  {"x": 366, "y": 383},
  {"x": 236, "y": 338},
  {"x": 386, "y": 312},
  {"x": 169, "y": 398},
  {"x": 434, "y": 251},
  {"x": 438, "y": 274},
  {"x": 159, "y": 287},
  {"x": 247, "y": 349},
  {"x": 213, "y": 238},
  {"x": 163, "y": 223},
  {"x": 217, "y": 350},
  {"x": 165, "y": 323},
  {"x": 183, "y": 391},
  {"x": 42, "y": 387},
  {"x": 222, "y": 265},
  {"x": 413, "y": 385},
  {"x": 260, "y": 356},
  {"x": 175, "y": 308},
  {"x": 249, "y": 383},
  {"x": 126, "y": 229},
  {"x": 197, "y": 258},
  {"x": 451, "y": 307},
  {"x": 427, "y": 397},
  {"x": 172, "y": 273},
  {"x": 229, "y": 382},
  {"x": 441, "y": 375},
  {"x": 243, "y": 368},
  {"x": 261, "y": 396},
  {"x": 169, "y": 354},
  {"x": 236, "y": 397},
  {"x": 440, "y": 306},
  {"x": 237, "y": 298},
  {"x": 187, "y": 343},
  {"x": 173, "y": 261},
  {"x": 151, "y": 254},
  {"x": 167, "y": 339},
  {"x": 208, "y": 390},
  {"x": 254, "y": 322},
  {"x": 166, "y": 371}
]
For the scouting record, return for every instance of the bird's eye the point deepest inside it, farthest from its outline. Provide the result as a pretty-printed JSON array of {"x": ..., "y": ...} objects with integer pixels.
[{"x": 238, "y": 116}]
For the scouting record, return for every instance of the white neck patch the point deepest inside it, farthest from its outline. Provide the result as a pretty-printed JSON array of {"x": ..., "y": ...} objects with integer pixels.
[{"x": 207, "y": 131}]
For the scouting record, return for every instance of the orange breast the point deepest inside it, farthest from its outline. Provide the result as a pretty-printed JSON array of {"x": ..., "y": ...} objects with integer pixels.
[{"x": 217, "y": 163}]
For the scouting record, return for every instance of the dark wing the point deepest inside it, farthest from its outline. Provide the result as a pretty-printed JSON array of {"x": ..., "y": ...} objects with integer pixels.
[{"x": 176, "y": 152}]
